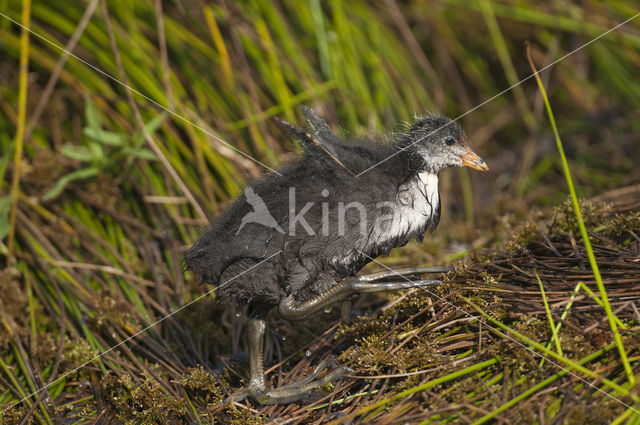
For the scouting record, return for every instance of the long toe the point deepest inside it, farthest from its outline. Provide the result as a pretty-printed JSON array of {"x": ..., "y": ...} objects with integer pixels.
[
  {"x": 324, "y": 364},
  {"x": 422, "y": 283},
  {"x": 390, "y": 274},
  {"x": 298, "y": 390},
  {"x": 369, "y": 287},
  {"x": 244, "y": 393},
  {"x": 424, "y": 270}
]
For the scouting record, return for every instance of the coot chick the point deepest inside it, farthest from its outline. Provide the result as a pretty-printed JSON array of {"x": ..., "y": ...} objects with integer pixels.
[{"x": 296, "y": 239}]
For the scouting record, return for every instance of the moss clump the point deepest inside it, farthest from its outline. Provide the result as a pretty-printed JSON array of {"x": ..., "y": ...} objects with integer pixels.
[
  {"x": 46, "y": 347},
  {"x": 594, "y": 214},
  {"x": 398, "y": 341},
  {"x": 142, "y": 402},
  {"x": 621, "y": 225},
  {"x": 198, "y": 379},
  {"x": 236, "y": 416},
  {"x": 75, "y": 353},
  {"x": 521, "y": 237},
  {"x": 113, "y": 311},
  {"x": 371, "y": 352},
  {"x": 12, "y": 415}
]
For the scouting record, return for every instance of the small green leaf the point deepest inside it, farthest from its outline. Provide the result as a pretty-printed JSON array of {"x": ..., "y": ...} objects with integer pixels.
[
  {"x": 92, "y": 114},
  {"x": 81, "y": 153},
  {"x": 155, "y": 122},
  {"x": 104, "y": 136},
  {"x": 97, "y": 153},
  {"x": 4, "y": 228},
  {"x": 141, "y": 153},
  {"x": 82, "y": 173},
  {"x": 151, "y": 126}
]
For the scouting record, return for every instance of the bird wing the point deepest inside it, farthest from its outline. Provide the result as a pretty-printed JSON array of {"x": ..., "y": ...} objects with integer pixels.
[
  {"x": 310, "y": 142},
  {"x": 321, "y": 129}
]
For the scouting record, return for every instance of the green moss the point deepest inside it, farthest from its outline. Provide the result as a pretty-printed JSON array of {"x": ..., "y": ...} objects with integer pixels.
[
  {"x": 46, "y": 347},
  {"x": 240, "y": 416},
  {"x": 198, "y": 379},
  {"x": 522, "y": 236},
  {"x": 75, "y": 353},
  {"x": 12, "y": 415},
  {"x": 594, "y": 215},
  {"x": 110, "y": 310},
  {"x": 142, "y": 401}
]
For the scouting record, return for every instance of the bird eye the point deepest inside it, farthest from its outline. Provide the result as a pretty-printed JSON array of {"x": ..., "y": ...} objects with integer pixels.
[{"x": 449, "y": 141}]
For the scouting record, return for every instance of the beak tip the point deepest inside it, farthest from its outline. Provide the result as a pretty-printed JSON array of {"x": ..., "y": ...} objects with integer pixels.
[
  {"x": 480, "y": 167},
  {"x": 478, "y": 164},
  {"x": 471, "y": 160}
]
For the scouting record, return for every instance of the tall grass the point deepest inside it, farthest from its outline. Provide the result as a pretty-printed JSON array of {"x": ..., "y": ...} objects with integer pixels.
[
  {"x": 22, "y": 111},
  {"x": 101, "y": 259},
  {"x": 583, "y": 230}
]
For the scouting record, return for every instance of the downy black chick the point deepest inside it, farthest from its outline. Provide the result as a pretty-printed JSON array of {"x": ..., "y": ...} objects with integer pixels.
[{"x": 296, "y": 239}]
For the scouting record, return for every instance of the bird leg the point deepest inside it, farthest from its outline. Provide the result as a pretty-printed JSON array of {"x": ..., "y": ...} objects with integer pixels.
[
  {"x": 290, "y": 309},
  {"x": 345, "y": 307},
  {"x": 257, "y": 388}
]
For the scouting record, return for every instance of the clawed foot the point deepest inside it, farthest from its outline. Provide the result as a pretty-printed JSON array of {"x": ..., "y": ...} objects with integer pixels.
[{"x": 295, "y": 391}]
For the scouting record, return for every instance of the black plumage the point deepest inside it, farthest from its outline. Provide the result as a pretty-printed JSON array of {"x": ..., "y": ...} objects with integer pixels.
[
  {"x": 314, "y": 258},
  {"x": 295, "y": 239}
]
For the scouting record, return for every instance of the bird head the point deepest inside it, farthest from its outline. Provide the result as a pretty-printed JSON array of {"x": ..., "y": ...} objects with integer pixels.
[{"x": 435, "y": 143}]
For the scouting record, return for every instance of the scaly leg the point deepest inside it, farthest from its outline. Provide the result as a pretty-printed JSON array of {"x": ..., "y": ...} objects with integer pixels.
[
  {"x": 345, "y": 307},
  {"x": 289, "y": 309},
  {"x": 286, "y": 393}
]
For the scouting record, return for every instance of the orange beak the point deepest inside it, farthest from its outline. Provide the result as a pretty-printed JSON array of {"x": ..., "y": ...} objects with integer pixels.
[{"x": 470, "y": 159}]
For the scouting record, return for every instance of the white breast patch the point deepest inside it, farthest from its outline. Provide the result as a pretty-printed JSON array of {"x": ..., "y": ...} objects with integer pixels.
[{"x": 416, "y": 202}]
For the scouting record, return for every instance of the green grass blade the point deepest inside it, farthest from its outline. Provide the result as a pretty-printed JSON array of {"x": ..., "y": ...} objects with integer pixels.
[
  {"x": 541, "y": 348},
  {"x": 422, "y": 387},
  {"x": 539, "y": 386},
  {"x": 554, "y": 334},
  {"x": 583, "y": 231},
  {"x": 564, "y": 315}
]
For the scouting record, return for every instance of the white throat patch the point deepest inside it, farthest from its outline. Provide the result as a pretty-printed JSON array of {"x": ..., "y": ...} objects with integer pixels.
[
  {"x": 416, "y": 203},
  {"x": 430, "y": 181}
]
